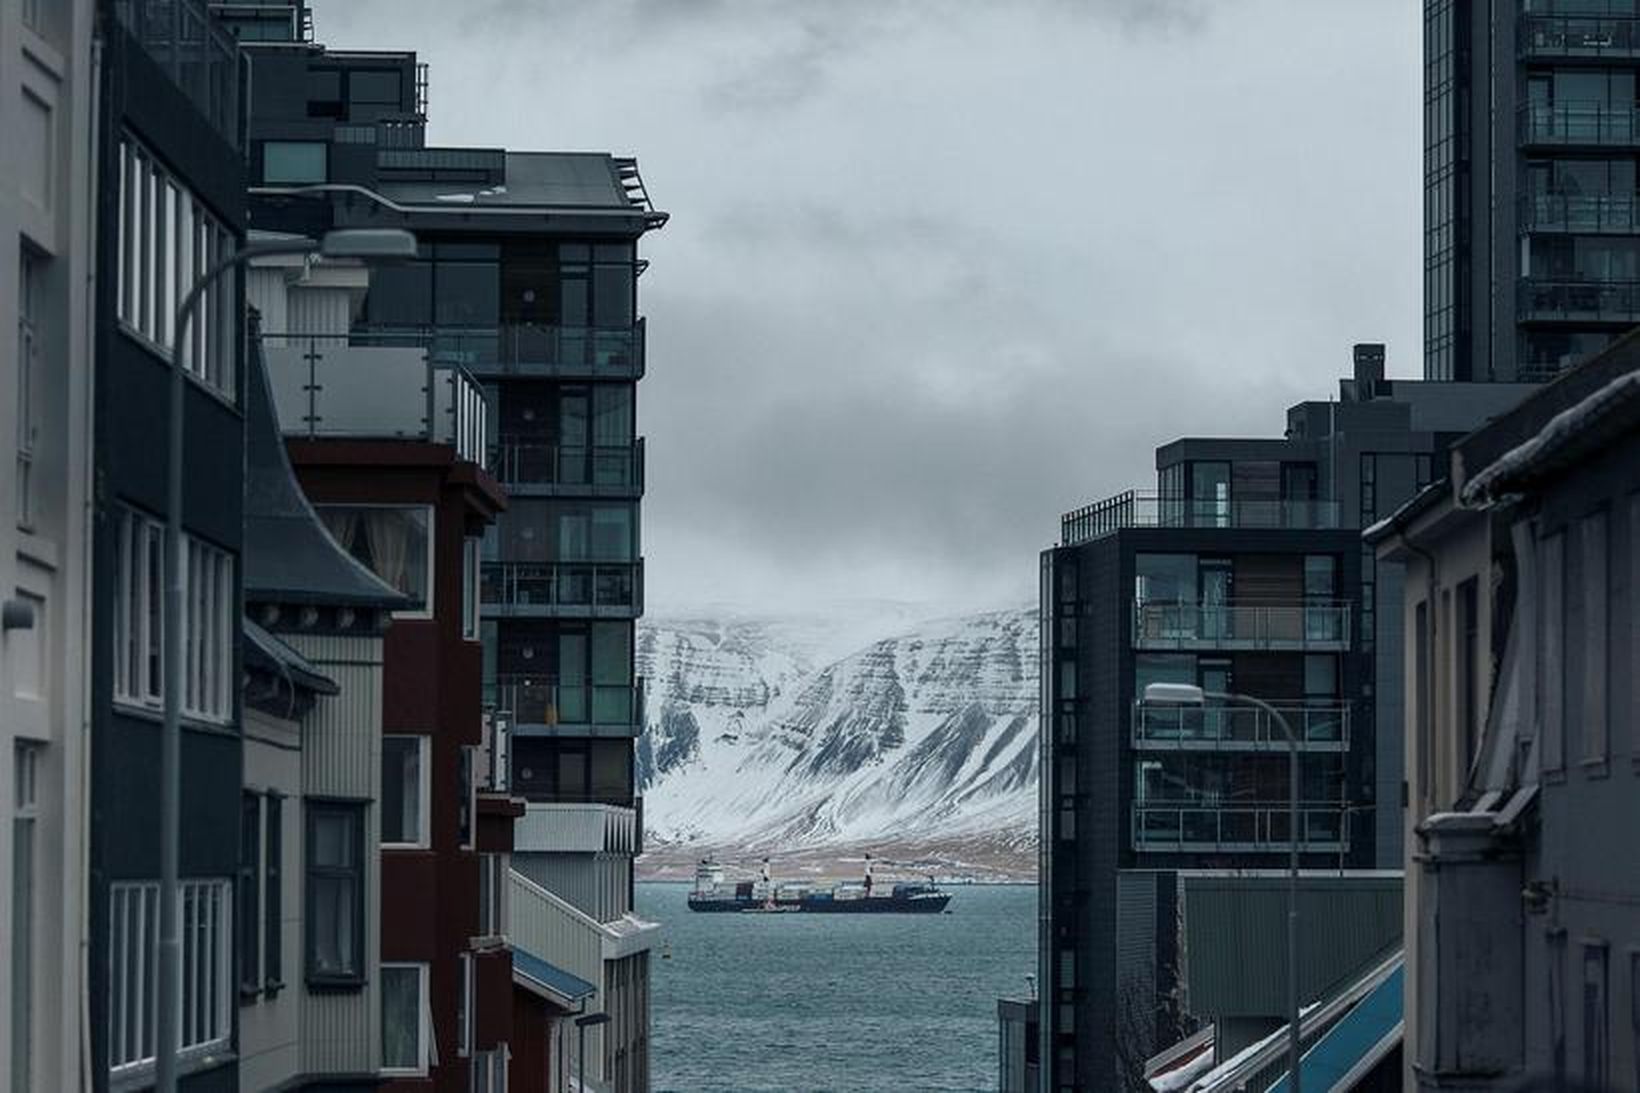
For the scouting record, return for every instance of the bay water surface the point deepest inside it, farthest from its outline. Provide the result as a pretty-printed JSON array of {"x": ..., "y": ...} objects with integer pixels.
[{"x": 805, "y": 1003}]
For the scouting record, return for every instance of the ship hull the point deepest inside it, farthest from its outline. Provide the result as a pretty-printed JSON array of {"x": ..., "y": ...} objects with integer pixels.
[{"x": 872, "y": 905}]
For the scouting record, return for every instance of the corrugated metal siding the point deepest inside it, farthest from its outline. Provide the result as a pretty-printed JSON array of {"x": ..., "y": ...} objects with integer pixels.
[
  {"x": 1236, "y": 938},
  {"x": 1136, "y": 961},
  {"x": 341, "y": 757},
  {"x": 265, "y": 291},
  {"x": 551, "y": 929},
  {"x": 576, "y": 828},
  {"x": 320, "y": 311},
  {"x": 595, "y": 884}
]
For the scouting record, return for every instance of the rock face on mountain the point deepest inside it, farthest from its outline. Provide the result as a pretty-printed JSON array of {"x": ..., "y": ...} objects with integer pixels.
[{"x": 765, "y": 734}]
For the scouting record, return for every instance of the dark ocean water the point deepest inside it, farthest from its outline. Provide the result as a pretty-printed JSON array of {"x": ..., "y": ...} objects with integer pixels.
[{"x": 803, "y": 1003}]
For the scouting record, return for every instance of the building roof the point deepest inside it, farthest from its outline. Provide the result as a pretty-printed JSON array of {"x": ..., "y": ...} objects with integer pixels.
[
  {"x": 579, "y": 180},
  {"x": 289, "y": 557},
  {"x": 264, "y": 651},
  {"x": 534, "y": 974}
]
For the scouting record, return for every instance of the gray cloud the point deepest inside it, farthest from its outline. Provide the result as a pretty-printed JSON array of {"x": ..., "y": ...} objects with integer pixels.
[{"x": 938, "y": 272}]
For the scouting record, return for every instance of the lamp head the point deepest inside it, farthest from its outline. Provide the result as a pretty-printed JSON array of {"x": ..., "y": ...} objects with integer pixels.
[
  {"x": 369, "y": 244},
  {"x": 1174, "y": 694}
]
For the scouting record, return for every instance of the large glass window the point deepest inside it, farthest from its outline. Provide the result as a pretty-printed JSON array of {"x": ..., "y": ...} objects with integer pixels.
[
  {"x": 1210, "y": 494},
  {"x": 569, "y": 531},
  {"x": 405, "y": 785},
  {"x": 394, "y": 541},
  {"x": 373, "y": 94},
  {"x": 1165, "y": 578},
  {"x": 294, "y": 162},
  {"x": 335, "y": 892},
  {"x": 466, "y": 284},
  {"x": 205, "y": 914},
  {"x": 405, "y": 1023}
]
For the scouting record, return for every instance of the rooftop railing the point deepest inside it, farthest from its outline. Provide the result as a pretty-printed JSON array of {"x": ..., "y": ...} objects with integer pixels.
[
  {"x": 196, "y": 51},
  {"x": 1588, "y": 214},
  {"x": 563, "y": 589},
  {"x": 1312, "y": 625},
  {"x": 543, "y": 707},
  {"x": 1598, "y": 301},
  {"x": 344, "y": 385},
  {"x": 1591, "y": 123},
  {"x": 1136, "y": 509},
  {"x": 525, "y": 467},
  {"x": 1192, "y": 826},
  {"x": 1319, "y": 726},
  {"x": 530, "y": 349},
  {"x": 1552, "y": 36}
]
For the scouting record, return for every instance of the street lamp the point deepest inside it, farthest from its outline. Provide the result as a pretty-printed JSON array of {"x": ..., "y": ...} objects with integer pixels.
[
  {"x": 581, "y": 1025},
  {"x": 1188, "y": 694},
  {"x": 378, "y": 244}
]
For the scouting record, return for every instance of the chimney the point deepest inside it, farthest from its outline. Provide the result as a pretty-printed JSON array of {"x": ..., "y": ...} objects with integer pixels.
[{"x": 1369, "y": 369}]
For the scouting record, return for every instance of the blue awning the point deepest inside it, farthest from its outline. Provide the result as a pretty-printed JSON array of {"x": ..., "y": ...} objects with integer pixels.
[
  {"x": 548, "y": 980},
  {"x": 1362, "y": 1036}
]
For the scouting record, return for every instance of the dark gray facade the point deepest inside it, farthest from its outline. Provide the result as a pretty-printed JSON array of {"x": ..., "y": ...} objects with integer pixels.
[
  {"x": 1243, "y": 572},
  {"x": 1531, "y": 219}
]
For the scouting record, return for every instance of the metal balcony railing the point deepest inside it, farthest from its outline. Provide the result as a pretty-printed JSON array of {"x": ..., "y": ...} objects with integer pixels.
[
  {"x": 1585, "y": 214},
  {"x": 557, "y": 589},
  {"x": 1319, "y": 727},
  {"x": 577, "y": 828},
  {"x": 1193, "y": 826},
  {"x": 196, "y": 51},
  {"x": 1592, "y": 123},
  {"x": 1542, "y": 36},
  {"x": 1138, "y": 509},
  {"x": 543, "y": 707},
  {"x": 344, "y": 385},
  {"x": 1318, "y": 625},
  {"x": 599, "y": 470},
  {"x": 533, "y": 349},
  {"x": 1596, "y": 301},
  {"x": 493, "y": 770}
]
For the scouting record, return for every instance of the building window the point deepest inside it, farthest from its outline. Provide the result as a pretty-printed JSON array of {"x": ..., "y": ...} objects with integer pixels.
[
  {"x": 28, "y": 381},
  {"x": 394, "y": 542},
  {"x": 405, "y": 1024},
  {"x": 1424, "y": 742},
  {"x": 464, "y": 1007},
  {"x": 250, "y": 894},
  {"x": 167, "y": 238},
  {"x": 207, "y": 620},
  {"x": 335, "y": 893},
  {"x": 1552, "y": 668},
  {"x": 467, "y": 779},
  {"x": 204, "y": 908},
  {"x": 294, "y": 162},
  {"x": 492, "y": 895},
  {"x": 1469, "y": 651},
  {"x": 1596, "y": 715},
  {"x": 489, "y": 1070},
  {"x": 24, "y": 822},
  {"x": 404, "y": 791},
  {"x": 273, "y": 871},
  {"x": 1596, "y": 1017},
  {"x": 471, "y": 568}
]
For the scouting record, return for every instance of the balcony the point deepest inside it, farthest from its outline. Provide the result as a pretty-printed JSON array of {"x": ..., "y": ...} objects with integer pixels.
[
  {"x": 492, "y": 766},
  {"x": 1580, "y": 124},
  {"x": 199, "y": 54},
  {"x": 1317, "y": 626},
  {"x": 1544, "y": 300},
  {"x": 550, "y": 590},
  {"x": 345, "y": 386},
  {"x": 1585, "y": 214},
  {"x": 559, "y": 828},
  {"x": 1552, "y": 37},
  {"x": 539, "y": 707},
  {"x": 549, "y": 470},
  {"x": 1319, "y": 727},
  {"x": 1197, "y": 827},
  {"x": 1135, "y": 509},
  {"x": 528, "y": 349}
]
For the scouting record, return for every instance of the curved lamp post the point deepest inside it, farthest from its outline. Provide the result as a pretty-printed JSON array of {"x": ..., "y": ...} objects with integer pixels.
[
  {"x": 1188, "y": 694},
  {"x": 378, "y": 244}
]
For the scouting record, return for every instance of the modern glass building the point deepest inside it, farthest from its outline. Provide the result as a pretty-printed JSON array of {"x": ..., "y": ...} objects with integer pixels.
[{"x": 1531, "y": 214}]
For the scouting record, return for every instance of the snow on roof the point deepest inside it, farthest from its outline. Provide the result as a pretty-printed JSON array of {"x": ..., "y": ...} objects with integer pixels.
[{"x": 1556, "y": 434}]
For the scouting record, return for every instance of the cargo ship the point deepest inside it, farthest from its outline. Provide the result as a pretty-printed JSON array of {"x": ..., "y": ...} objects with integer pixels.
[{"x": 715, "y": 894}]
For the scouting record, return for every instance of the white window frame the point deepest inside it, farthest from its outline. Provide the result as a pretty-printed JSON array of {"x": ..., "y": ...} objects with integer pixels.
[
  {"x": 488, "y": 1070},
  {"x": 492, "y": 898},
  {"x": 167, "y": 238},
  {"x": 424, "y": 1022},
  {"x": 208, "y": 633},
  {"x": 464, "y": 1008},
  {"x": 29, "y": 269},
  {"x": 205, "y": 910},
  {"x": 424, "y": 793},
  {"x": 471, "y": 567}
]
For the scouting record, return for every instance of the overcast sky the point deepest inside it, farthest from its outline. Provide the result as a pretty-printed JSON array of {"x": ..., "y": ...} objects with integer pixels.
[{"x": 938, "y": 271}]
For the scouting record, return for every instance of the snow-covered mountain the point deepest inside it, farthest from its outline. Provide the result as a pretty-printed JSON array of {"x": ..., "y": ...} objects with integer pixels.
[{"x": 781, "y": 733}]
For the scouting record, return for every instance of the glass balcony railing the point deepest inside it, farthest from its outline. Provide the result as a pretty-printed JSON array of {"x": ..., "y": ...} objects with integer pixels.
[
  {"x": 1317, "y": 625},
  {"x": 1585, "y": 214},
  {"x": 531, "y": 349},
  {"x": 1592, "y": 123},
  {"x": 343, "y": 385},
  {"x": 562, "y": 589},
  {"x": 1194, "y": 826},
  {"x": 1323, "y": 726},
  {"x": 195, "y": 50},
  {"x": 1135, "y": 509},
  {"x": 1543, "y": 36},
  {"x": 1586, "y": 301},
  {"x": 601, "y": 470},
  {"x": 540, "y": 706}
]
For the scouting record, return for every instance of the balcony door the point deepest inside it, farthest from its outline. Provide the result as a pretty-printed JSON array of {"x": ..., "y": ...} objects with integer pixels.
[{"x": 1214, "y": 579}]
